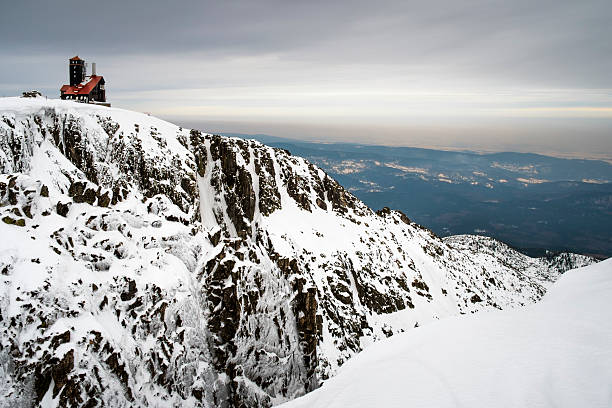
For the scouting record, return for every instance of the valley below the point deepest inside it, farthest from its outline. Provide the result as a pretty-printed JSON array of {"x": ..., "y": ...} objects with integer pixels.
[{"x": 534, "y": 203}]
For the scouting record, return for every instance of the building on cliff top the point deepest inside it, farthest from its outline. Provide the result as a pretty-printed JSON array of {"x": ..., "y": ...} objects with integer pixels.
[{"x": 84, "y": 88}]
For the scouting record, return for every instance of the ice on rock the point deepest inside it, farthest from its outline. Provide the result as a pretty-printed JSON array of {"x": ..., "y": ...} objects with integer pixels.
[{"x": 143, "y": 264}]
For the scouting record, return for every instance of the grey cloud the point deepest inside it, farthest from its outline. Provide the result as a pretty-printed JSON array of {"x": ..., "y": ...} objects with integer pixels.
[
  {"x": 275, "y": 54},
  {"x": 529, "y": 40}
]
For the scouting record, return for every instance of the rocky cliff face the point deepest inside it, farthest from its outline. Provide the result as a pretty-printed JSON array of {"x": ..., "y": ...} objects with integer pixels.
[{"x": 147, "y": 265}]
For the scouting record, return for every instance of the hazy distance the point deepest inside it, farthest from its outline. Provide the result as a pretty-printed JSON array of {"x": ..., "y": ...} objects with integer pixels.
[{"x": 478, "y": 75}]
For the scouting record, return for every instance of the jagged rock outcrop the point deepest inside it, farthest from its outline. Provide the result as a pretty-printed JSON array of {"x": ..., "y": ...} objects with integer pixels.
[{"x": 148, "y": 265}]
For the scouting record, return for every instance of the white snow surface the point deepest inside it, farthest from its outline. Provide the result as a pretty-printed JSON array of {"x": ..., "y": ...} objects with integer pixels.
[
  {"x": 555, "y": 353},
  {"x": 143, "y": 288}
]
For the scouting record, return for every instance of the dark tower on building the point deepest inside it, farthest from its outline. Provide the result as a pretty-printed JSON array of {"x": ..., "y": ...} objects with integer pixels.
[
  {"x": 76, "y": 71},
  {"x": 83, "y": 88}
]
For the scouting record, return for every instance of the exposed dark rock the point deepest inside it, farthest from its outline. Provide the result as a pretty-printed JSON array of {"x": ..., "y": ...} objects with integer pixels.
[
  {"x": 61, "y": 370},
  {"x": 404, "y": 218},
  {"x": 31, "y": 94},
  {"x": 103, "y": 303},
  {"x": 237, "y": 186},
  {"x": 62, "y": 208},
  {"x": 385, "y": 302},
  {"x": 214, "y": 238},
  {"x": 69, "y": 139},
  {"x": 104, "y": 199},
  {"x": 383, "y": 212},
  {"x": 269, "y": 197},
  {"x": 340, "y": 291},
  {"x": 419, "y": 284},
  {"x": 224, "y": 300},
  {"x": 60, "y": 339},
  {"x": 9, "y": 220},
  {"x": 118, "y": 368},
  {"x": 341, "y": 200},
  {"x": 58, "y": 371},
  {"x": 305, "y": 309},
  {"x": 296, "y": 191},
  {"x": 198, "y": 142},
  {"x": 131, "y": 291}
]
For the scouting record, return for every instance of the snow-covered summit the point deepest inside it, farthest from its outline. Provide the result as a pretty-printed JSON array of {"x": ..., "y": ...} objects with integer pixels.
[{"x": 145, "y": 264}]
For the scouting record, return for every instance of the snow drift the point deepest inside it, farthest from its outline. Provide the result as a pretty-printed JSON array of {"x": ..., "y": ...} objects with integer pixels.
[{"x": 555, "y": 353}]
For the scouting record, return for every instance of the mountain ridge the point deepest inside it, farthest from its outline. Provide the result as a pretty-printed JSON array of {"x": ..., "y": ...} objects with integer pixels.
[
  {"x": 154, "y": 265},
  {"x": 535, "y": 203}
]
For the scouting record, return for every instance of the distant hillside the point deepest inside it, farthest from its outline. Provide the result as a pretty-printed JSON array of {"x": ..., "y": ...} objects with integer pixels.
[{"x": 533, "y": 202}]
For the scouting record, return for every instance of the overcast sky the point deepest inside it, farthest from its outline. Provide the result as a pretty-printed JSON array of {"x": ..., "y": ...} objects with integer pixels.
[{"x": 483, "y": 75}]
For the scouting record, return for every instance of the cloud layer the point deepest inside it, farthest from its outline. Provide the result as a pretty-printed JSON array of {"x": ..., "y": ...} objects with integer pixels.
[{"x": 410, "y": 67}]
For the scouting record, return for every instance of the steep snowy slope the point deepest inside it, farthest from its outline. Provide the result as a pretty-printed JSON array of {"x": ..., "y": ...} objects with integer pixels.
[
  {"x": 145, "y": 264},
  {"x": 490, "y": 252},
  {"x": 555, "y": 353}
]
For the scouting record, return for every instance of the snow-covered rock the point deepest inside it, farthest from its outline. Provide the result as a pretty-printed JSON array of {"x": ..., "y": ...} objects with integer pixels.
[
  {"x": 555, "y": 353},
  {"x": 143, "y": 264}
]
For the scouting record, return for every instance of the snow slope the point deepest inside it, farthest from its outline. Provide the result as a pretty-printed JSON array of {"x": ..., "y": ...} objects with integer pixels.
[
  {"x": 556, "y": 353},
  {"x": 145, "y": 264}
]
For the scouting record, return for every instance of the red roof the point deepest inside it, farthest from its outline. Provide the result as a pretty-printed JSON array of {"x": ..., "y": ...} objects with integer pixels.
[
  {"x": 82, "y": 89},
  {"x": 75, "y": 58}
]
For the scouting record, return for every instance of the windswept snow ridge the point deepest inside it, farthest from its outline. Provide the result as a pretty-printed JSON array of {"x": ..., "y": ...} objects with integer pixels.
[
  {"x": 555, "y": 353},
  {"x": 143, "y": 264}
]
